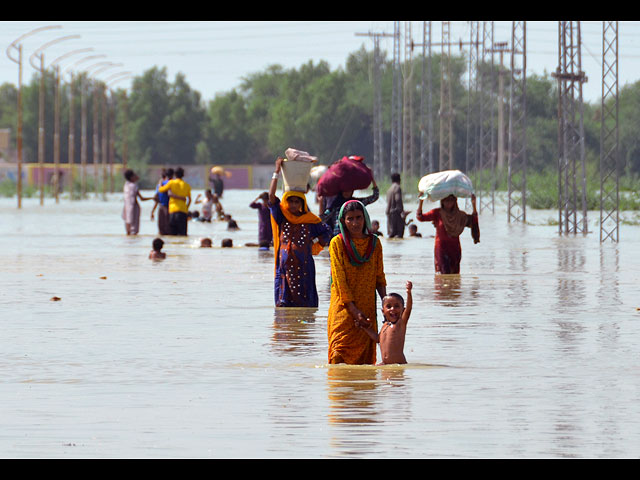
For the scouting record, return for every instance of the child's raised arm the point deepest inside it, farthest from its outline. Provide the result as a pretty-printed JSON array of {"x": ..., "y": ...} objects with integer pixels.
[{"x": 408, "y": 303}]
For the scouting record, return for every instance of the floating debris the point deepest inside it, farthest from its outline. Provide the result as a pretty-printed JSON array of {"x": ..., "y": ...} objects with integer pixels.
[{"x": 55, "y": 299}]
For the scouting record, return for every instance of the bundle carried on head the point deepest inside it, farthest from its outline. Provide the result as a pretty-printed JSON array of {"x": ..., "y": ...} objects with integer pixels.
[
  {"x": 296, "y": 169},
  {"x": 347, "y": 174},
  {"x": 439, "y": 185}
]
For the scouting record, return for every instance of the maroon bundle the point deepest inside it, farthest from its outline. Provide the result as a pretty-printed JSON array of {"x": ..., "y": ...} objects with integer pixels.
[{"x": 347, "y": 174}]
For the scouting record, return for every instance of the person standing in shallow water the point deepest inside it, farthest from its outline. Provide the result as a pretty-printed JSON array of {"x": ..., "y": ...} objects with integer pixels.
[
  {"x": 298, "y": 234},
  {"x": 450, "y": 222},
  {"x": 357, "y": 274},
  {"x": 179, "y": 193},
  {"x": 395, "y": 208},
  {"x": 131, "y": 210}
]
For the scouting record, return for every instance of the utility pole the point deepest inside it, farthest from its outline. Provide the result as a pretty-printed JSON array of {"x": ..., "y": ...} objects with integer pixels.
[
  {"x": 472, "y": 135},
  {"x": 571, "y": 193},
  {"x": 426, "y": 141},
  {"x": 517, "y": 201},
  {"x": 501, "y": 48},
  {"x": 446, "y": 109},
  {"x": 485, "y": 169},
  {"x": 380, "y": 167},
  {"x": 609, "y": 138},
  {"x": 407, "y": 110},
  {"x": 396, "y": 104}
]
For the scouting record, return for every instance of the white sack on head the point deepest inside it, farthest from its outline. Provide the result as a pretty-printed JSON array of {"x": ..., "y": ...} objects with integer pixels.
[
  {"x": 299, "y": 155},
  {"x": 439, "y": 185}
]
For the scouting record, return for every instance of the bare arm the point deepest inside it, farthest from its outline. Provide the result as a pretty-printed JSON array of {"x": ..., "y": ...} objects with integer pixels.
[
  {"x": 408, "y": 304},
  {"x": 155, "y": 205},
  {"x": 274, "y": 181}
]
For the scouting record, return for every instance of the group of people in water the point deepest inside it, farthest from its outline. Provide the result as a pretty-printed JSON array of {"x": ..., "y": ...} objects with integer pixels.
[
  {"x": 173, "y": 199},
  {"x": 355, "y": 250}
]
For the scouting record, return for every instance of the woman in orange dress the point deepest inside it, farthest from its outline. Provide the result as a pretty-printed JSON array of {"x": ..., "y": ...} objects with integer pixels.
[{"x": 357, "y": 273}]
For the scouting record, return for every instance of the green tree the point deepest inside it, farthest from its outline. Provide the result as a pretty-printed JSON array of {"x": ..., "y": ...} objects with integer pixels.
[{"x": 227, "y": 131}]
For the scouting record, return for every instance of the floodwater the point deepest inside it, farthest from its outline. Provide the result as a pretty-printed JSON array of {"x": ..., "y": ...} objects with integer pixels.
[{"x": 531, "y": 352}]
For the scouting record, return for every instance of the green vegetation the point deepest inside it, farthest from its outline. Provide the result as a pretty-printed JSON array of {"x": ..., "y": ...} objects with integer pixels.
[{"x": 328, "y": 113}]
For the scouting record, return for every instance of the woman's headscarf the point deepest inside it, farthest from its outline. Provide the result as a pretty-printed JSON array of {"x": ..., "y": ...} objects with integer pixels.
[
  {"x": 354, "y": 257},
  {"x": 454, "y": 221},
  {"x": 306, "y": 217}
]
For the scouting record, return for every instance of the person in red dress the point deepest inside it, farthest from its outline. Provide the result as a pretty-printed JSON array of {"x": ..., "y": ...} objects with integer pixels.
[{"x": 450, "y": 222}]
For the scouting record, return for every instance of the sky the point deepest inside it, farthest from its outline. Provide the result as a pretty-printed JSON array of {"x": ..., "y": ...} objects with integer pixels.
[{"x": 214, "y": 56}]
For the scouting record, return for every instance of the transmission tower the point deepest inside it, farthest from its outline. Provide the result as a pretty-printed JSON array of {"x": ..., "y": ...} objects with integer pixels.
[
  {"x": 517, "y": 202},
  {"x": 571, "y": 192},
  {"x": 446, "y": 111},
  {"x": 426, "y": 116},
  {"x": 396, "y": 104},
  {"x": 472, "y": 127},
  {"x": 380, "y": 165},
  {"x": 407, "y": 108},
  {"x": 609, "y": 165},
  {"x": 485, "y": 168}
]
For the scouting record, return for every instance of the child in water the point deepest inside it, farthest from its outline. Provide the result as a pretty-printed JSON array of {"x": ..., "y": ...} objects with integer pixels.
[
  {"x": 157, "y": 253},
  {"x": 394, "y": 327}
]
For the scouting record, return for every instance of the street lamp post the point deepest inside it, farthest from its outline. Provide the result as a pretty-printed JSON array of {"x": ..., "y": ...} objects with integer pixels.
[
  {"x": 71, "y": 137},
  {"x": 17, "y": 46},
  {"x": 83, "y": 124},
  {"x": 39, "y": 54}
]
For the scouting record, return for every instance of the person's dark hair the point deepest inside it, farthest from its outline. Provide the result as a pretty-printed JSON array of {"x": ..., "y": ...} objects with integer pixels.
[
  {"x": 179, "y": 172},
  {"x": 157, "y": 244},
  {"x": 227, "y": 242},
  {"x": 394, "y": 295},
  {"x": 170, "y": 172},
  {"x": 163, "y": 173},
  {"x": 395, "y": 177},
  {"x": 128, "y": 174}
]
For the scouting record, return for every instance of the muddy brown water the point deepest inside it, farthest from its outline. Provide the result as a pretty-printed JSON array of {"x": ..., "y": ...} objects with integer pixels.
[{"x": 532, "y": 351}]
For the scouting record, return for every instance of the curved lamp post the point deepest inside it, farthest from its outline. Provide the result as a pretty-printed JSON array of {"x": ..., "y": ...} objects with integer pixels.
[
  {"x": 16, "y": 46},
  {"x": 39, "y": 54},
  {"x": 56, "y": 134},
  {"x": 83, "y": 123}
]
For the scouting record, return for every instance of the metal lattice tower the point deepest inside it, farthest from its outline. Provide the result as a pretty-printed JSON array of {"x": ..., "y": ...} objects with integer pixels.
[
  {"x": 609, "y": 140},
  {"x": 472, "y": 127},
  {"x": 426, "y": 137},
  {"x": 396, "y": 104},
  {"x": 407, "y": 101},
  {"x": 380, "y": 166},
  {"x": 446, "y": 111},
  {"x": 378, "y": 146},
  {"x": 517, "y": 202},
  {"x": 571, "y": 190},
  {"x": 485, "y": 169}
]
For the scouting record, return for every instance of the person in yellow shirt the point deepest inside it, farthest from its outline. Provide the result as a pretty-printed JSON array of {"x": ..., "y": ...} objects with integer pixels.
[{"x": 179, "y": 200}]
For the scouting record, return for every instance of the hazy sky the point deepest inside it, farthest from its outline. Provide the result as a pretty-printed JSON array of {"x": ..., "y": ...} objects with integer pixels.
[{"x": 215, "y": 55}]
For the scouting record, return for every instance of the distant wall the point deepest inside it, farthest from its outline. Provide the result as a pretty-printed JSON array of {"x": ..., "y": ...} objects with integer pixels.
[{"x": 242, "y": 176}]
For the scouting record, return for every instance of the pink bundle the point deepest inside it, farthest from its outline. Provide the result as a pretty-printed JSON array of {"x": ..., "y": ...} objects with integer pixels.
[{"x": 347, "y": 174}]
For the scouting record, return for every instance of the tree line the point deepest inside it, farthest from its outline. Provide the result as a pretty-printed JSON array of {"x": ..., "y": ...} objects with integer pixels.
[{"x": 326, "y": 112}]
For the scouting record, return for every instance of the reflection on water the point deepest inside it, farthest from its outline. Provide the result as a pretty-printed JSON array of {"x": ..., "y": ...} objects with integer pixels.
[
  {"x": 531, "y": 351},
  {"x": 295, "y": 331}
]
